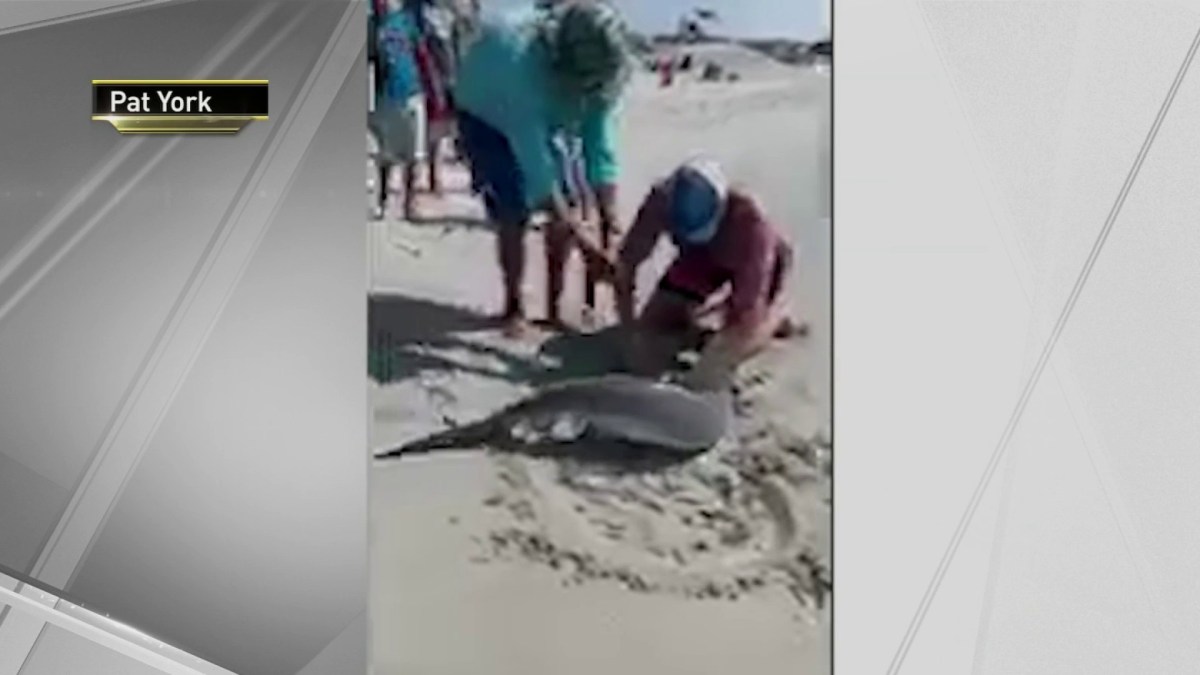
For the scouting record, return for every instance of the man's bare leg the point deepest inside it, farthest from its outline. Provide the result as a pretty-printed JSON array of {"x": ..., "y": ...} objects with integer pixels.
[
  {"x": 601, "y": 204},
  {"x": 433, "y": 152},
  {"x": 723, "y": 354},
  {"x": 409, "y": 175},
  {"x": 777, "y": 324},
  {"x": 384, "y": 188},
  {"x": 558, "y": 248},
  {"x": 511, "y": 249}
]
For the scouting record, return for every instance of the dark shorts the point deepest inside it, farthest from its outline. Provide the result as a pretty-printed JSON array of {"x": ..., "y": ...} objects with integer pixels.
[{"x": 495, "y": 173}]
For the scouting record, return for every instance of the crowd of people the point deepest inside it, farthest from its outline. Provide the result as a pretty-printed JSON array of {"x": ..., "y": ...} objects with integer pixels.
[
  {"x": 412, "y": 56},
  {"x": 532, "y": 101}
]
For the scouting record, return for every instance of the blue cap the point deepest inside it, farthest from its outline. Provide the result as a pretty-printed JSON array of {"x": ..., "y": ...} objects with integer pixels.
[{"x": 698, "y": 192}]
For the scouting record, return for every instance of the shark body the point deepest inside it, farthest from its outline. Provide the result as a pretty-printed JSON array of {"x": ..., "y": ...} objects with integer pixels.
[{"x": 620, "y": 408}]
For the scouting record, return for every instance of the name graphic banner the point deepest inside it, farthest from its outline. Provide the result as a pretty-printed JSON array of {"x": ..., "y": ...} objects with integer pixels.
[{"x": 179, "y": 106}]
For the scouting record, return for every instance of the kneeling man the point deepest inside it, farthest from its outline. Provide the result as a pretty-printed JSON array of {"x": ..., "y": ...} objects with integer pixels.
[{"x": 731, "y": 261}]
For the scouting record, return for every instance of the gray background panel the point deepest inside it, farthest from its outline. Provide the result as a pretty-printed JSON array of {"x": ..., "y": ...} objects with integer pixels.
[
  {"x": 59, "y": 652},
  {"x": 234, "y": 473},
  {"x": 208, "y": 289}
]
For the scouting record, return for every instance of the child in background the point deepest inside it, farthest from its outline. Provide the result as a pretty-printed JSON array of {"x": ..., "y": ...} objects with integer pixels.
[
  {"x": 373, "y": 68},
  {"x": 398, "y": 120},
  {"x": 439, "y": 110},
  {"x": 666, "y": 70},
  {"x": 435, "y": 58}
]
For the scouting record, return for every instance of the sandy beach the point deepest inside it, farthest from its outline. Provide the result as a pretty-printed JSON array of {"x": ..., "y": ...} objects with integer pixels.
[{"x": 501, "y": 563}]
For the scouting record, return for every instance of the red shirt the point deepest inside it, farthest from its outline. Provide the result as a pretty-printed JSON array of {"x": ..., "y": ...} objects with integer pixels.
[
  {"x": 432, "y": 83},
  {"x": 746, "y": 253}
]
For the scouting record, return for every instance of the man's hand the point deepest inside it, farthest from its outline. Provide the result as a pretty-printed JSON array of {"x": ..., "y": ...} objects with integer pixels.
[
  {"x": 715, "y": 369},
  {"x": 601, "y": 262},
  {"x": 603, "y": 266},
  {"x": 624, "y": 287}
]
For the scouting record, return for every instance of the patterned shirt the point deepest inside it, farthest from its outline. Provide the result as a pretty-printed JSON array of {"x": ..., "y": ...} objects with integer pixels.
[{"x": 397, "y": 41}]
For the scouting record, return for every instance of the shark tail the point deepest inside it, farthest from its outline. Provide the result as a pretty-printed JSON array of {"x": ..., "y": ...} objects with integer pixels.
[{"x": 451, "y": 439}]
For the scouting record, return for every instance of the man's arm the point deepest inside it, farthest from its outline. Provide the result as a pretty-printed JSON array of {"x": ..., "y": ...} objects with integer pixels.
[
  {"x": 756, "y": 252},
  {"x": 598, "y": 134},
  {"x": 532, "y": 147},
  {"x": 603, "y": 198},
  {"x": 636, "y": 247}
]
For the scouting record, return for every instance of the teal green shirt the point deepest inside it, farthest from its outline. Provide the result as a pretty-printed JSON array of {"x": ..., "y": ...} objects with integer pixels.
[{"x": 503, "y": 79}]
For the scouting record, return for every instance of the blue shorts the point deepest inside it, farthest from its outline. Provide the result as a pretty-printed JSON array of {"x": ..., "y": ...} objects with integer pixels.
[{"x": 495, "y": 173}]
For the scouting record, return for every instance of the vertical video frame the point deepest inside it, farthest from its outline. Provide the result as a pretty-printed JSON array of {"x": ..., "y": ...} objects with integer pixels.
[{"x": 599, "y": 336}]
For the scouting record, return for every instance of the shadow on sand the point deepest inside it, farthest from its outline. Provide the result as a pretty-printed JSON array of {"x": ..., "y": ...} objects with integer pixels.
[{"x": 409, "y": 336}]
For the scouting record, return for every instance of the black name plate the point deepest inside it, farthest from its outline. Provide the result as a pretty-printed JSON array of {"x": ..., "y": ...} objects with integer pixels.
[{"x": 179, "y": 106}]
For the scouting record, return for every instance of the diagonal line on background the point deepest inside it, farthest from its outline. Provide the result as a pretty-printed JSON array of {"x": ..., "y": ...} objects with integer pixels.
[
  {"x": 1064, "y": 316},
  {"x": 1146, "y": 579},
  {"x": 1016, "y": 256},
  {"x": 91, "y": 185},
  {"x": 68, "y": 17},
  {"x": 277, "y": 168},
  {"x": 1096, "y": 454},
  {"x": 227, "y": 47},
  {"x": 134, "y": 181},
  {"x": 991, "y": 583},
  {"x": 326, "y": 658},
  {"x": 178, "y": 307},
  {"x": 79, "y": 525},
  {"x": 1014, "y": 252},
  {"x": 262, "y": 52},
  {"x": 162, "y": 341},
  {"x": 297, "y": 117},
  {"x": 140, "y": 652}
]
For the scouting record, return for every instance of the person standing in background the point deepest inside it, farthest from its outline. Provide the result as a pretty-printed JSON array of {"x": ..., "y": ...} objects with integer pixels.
[
  {"x": 375, "y": 9},
  {"x": 399, "y": 120},
  {"x": 437, "y": 23},
  {"x": 434, "y": 68},
  {"x": 666, "y": 70}
]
